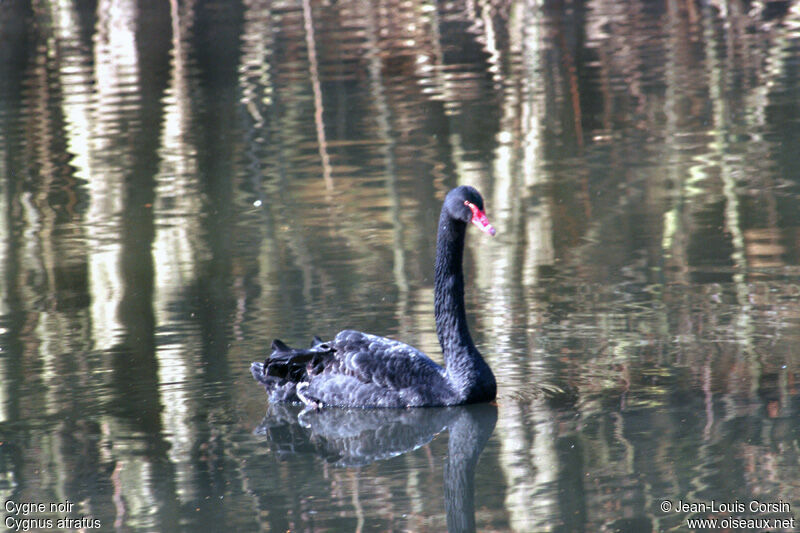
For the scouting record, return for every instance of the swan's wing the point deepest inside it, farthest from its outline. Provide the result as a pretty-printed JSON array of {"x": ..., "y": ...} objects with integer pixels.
[
  {"x": 385, "y": 362},
  {"x": 286, "y": 367},
  {"x": 354, "y": 369},
  {"x": 370, "y": 371}
]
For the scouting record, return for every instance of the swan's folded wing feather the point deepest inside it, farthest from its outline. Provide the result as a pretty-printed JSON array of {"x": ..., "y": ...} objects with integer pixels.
[
  {"x": 355, "y": 369},
  {"x": 294, "y": 364},
  {"x": 385, "y": 362}
]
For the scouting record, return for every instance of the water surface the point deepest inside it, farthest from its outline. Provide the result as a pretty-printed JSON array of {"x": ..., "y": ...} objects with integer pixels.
[{"x": 182, "y": 182}]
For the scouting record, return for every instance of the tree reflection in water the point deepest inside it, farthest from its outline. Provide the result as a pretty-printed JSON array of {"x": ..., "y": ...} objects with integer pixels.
[{"x": 641, "y": 162}]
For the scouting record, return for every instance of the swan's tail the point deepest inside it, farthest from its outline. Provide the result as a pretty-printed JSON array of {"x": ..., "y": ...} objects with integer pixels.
[{"x": 286, "y": 367}]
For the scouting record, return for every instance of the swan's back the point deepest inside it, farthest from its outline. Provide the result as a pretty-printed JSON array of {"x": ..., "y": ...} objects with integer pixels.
[{"x": 355, "y": 369}]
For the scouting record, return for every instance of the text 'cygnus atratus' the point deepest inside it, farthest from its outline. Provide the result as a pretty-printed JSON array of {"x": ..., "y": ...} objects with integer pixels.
[{"x": 361, "y": 370}]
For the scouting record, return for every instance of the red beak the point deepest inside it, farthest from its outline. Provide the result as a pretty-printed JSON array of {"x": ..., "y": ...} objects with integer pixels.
[{"x": 480, "y": 219}]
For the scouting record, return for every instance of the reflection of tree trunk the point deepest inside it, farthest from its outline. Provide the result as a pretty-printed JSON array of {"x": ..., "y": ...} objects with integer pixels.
[
  {"x": 384, "y": 120},
  {"x": 313, "y": 70},
  {"x": 359, "y": 510},
  {"x": 178, "y": 245},
  {"x": 468, "y": 435}
]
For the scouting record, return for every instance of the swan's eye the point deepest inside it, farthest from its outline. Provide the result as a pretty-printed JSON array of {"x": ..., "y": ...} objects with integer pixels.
[{"x": 480, "y": 219}]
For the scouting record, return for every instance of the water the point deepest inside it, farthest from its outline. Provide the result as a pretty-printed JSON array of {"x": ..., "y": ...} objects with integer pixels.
[{"x": 182, "y": 182}]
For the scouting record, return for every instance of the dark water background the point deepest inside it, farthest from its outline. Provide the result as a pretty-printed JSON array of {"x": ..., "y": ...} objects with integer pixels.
[{"x": 180, "y": 182}]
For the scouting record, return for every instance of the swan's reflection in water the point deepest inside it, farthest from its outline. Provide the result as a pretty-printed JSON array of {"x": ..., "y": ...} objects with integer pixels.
[{"x": 358, "y": 437}]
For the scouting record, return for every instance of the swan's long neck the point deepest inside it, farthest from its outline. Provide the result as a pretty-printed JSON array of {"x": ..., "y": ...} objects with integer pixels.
[{"x": 467, "y": 371}]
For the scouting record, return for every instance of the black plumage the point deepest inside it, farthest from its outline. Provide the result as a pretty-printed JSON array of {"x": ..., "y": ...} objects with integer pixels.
[{"x": 361, "y": 370}]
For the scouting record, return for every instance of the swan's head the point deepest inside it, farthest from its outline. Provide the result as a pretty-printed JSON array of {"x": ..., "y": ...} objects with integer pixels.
[{"x": 465, "y": 203}]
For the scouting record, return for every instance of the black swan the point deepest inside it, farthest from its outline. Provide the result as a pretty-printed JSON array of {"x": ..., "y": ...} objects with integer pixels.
[{"x": 361, "y": 370}]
